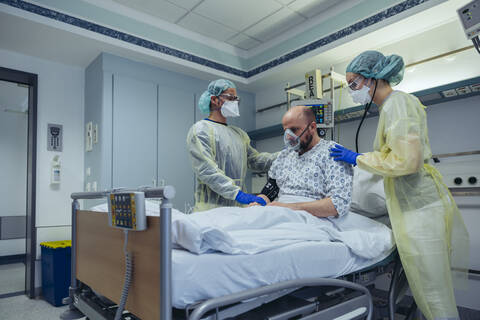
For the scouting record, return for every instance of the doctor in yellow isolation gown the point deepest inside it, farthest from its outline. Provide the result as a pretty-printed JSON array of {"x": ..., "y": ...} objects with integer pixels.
[{"x": 429, "y": 231}]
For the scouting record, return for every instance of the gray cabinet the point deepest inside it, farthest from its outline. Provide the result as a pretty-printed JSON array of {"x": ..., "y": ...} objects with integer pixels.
[
  {"x": 175, "y": 117},
  {"x": 134, "y": 132},
  {"x": 143, "y": 119}
]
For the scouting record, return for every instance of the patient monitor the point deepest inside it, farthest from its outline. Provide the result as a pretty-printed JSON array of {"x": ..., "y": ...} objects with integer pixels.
[
  {"x": 469, "y": 15},
  {"x": 126, "y": 210},
  {"x": 323, "y": 110}
]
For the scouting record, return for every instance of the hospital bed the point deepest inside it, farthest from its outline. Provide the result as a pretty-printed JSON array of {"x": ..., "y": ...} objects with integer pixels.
[{"x": 98, "y": 270}]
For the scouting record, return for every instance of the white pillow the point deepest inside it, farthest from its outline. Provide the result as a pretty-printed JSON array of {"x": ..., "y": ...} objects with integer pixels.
[{"x": 368, "y": 196}]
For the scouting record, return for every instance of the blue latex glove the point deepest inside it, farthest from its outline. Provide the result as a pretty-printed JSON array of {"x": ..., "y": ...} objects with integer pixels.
[
  {"x": 246, "y": 198},
  {"x": 340, "y": 153}
]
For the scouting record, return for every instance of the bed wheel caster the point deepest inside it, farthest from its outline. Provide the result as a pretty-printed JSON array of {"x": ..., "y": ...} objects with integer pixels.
[{"x": 71, "y": 313}]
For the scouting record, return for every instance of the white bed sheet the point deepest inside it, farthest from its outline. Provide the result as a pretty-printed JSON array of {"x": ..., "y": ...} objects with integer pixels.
[{"x": 200, "y": 277}]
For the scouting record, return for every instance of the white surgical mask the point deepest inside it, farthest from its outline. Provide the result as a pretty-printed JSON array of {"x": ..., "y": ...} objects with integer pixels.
[
  {"x": 230, "y": 109},
  {"x": 360, "y": 96}
]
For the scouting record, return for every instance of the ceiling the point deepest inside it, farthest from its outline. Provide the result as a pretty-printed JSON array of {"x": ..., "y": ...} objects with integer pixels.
[
  {"x": 424, "y": 35},
  {"x": 244, "y": 24},
  {"x": 430, "y": 32}
]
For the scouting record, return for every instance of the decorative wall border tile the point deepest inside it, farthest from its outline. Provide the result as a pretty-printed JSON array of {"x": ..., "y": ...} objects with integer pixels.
[{"x": 122, "y": 36}]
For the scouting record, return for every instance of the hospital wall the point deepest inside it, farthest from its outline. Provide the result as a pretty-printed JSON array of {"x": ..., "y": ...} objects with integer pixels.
[{"x": 60, "y": 101}]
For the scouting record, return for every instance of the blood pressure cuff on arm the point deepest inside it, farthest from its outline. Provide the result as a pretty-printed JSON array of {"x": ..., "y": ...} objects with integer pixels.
[{"x": 270, "y": 189}]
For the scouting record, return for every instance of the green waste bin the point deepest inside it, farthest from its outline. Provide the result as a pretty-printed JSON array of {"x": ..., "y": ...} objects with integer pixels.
[{"x": 56, "y": 269}]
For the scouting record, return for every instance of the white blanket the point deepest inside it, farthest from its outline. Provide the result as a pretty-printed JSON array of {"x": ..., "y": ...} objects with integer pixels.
[
  {"x": 253, "y": 230},
  {"x": 234, "y": 230}
]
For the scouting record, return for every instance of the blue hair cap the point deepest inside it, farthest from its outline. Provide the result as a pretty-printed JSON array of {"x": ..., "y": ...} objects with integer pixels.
[
  {"x": 373, "y": 64},
  {"x": 215, "y": 88}
]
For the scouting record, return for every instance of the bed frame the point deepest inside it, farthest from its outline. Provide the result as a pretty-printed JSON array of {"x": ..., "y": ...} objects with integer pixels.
[{"x": 98, "y": 268}]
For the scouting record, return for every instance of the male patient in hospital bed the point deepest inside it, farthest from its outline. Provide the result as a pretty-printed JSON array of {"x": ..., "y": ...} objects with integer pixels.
[{"x": 304, "y": 176}]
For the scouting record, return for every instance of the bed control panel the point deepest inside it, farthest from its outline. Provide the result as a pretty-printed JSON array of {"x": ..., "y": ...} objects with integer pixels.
[{"x": 126, "y": 210}]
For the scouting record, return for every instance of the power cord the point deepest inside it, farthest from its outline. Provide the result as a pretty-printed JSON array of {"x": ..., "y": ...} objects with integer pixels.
[{"x": 476, "y": 42}]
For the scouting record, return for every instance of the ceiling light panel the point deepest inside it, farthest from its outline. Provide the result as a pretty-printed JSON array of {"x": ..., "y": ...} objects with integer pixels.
[
  {"x": 243, "y": 42},
  {"x": 275, "y": 24},
  {"x": 161, "y": 9},
  {"x": 207, "y": 27},
  {"x": 237, "y": 14},
  {"x": 186, "y": 4},
  {"x": 285, "y": 2},
  {"x": 310, "y": 8}
]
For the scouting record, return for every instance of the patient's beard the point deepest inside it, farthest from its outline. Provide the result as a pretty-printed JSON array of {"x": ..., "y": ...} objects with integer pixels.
[{"x": 304, "y": 145}]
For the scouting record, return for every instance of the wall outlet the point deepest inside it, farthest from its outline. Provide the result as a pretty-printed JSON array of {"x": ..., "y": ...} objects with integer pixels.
[
  {"x": 88, "y": 187},
  {"x": 449, "y": 93},
  {"x": 463, "y": 90},
  {"x": 94, "y": 186},
  {"x": 88, "y": 172},
  {"x": 475, "y": 87},
  {"x": 89, "y": 137},
  {"x": 95, "y": 133}
]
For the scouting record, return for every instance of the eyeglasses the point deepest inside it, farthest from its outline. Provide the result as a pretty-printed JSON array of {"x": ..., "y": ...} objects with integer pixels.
[
  {"x": 230, "y": 97},
  {"x": 355, "y": 83}
]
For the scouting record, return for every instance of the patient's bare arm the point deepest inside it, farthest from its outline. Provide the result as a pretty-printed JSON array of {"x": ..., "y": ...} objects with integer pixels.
[{"x": 319, "y": 208}]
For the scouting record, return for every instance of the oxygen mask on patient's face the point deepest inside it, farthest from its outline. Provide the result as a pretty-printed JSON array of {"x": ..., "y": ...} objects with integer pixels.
[{"x": 291, "y": 140}]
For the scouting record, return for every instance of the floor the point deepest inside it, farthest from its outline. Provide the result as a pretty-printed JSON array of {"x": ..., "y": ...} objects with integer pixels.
[
  {"x": 14, "y": 304},
  {"x": 22, "y": 308},
  {"x": 12, "y": 278}
]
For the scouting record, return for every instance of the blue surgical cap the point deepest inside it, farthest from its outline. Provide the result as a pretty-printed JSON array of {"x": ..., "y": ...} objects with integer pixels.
[
  {"x": 215, "y": 88},
  {"x": 373, "y": 64}
]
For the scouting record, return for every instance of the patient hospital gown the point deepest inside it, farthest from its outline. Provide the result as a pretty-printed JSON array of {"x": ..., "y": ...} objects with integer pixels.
[{"x": 314, "y": 175}]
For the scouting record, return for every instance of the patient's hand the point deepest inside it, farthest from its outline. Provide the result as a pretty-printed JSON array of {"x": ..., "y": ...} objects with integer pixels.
[{"x": 257, "y": 204}]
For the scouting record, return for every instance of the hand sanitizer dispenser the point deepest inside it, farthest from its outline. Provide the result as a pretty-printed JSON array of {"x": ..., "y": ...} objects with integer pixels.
[{"x": 56, "y": 170}]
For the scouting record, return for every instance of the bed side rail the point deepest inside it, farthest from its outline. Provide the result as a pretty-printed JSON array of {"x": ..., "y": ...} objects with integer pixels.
[{"x": 356, "y": 308}]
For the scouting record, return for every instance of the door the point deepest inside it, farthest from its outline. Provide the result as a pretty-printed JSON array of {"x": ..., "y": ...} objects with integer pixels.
[
  {"x": 134, "y": 132},
  {"x": 13, "y": 186},
  {"x": 175, "y": 117}
]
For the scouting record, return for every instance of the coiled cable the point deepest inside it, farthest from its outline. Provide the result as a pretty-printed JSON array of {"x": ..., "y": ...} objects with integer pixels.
[{"x": 127, "y": 281}]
